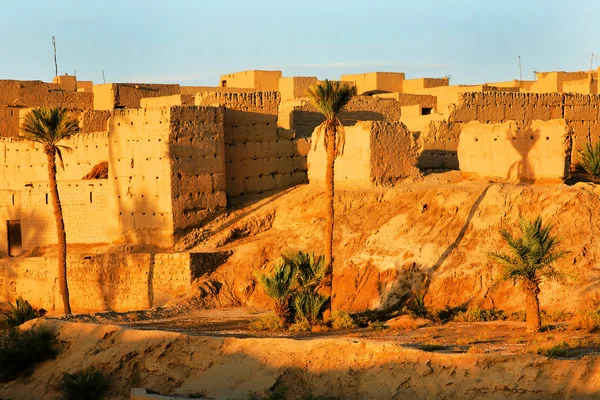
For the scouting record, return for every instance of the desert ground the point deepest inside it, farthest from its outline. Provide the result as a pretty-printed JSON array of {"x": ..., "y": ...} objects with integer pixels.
[{"x": 442, "y": 226}]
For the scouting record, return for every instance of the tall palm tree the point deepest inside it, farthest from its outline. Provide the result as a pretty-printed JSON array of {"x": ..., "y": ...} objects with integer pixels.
[
  {"x": 48, "y": 127},
  {"x": 530, "y": 262},
  {"x": 330, "y": 98}
]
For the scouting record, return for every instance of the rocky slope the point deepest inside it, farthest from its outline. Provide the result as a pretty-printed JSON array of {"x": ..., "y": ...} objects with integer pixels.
[{"x": 436, "y": 232}]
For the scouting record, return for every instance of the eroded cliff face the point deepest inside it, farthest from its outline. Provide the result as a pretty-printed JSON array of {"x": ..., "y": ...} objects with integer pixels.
[{"x": 436, "y": 232}]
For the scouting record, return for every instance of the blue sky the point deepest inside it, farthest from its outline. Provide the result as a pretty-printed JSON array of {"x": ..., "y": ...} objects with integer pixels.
[{"x": 194, "y": 42}]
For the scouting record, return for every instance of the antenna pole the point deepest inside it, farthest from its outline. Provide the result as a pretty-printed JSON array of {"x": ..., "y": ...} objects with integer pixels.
[
  {"x": 103, "y": 79},
  {"x": 520, "y": 72},
  {"x": 55, "y": 64},
  {"x": 592, "y": 61}
]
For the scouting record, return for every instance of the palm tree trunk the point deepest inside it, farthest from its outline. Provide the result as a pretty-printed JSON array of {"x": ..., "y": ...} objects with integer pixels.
[
  {"x": 60, "y": 232},
  {"x": 330, "y": 134},
  {"x": 532, "y": 306}
]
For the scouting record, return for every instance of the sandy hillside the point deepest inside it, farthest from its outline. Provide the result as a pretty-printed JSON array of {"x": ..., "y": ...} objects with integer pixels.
[
  {"x": 388, "y": 241},
  {"x": 345, "y": 368}
]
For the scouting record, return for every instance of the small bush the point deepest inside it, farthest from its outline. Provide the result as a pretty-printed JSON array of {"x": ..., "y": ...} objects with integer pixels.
[
  {"x": 417, "y": 305},
  {"x": 89, "y": 384},
  {"x": 341, "y": 320},
  {"x": 590, "y": 161},
  {"x": 556, "y": 351},
  {"x": 22, "y": 312},
  {"x": 431, "y": 347},
  {"x": 301, "y": 325},
  {"x": 310, "y": 306},
  {"x": 363, "y": 318},
  {"x": 477, "y": 314},
  {"x": 378, "y": 325},
  {"x": 21, "y": 350},
  {"x": 588, "y": 320},
  {"x": 268, "y": 322}
]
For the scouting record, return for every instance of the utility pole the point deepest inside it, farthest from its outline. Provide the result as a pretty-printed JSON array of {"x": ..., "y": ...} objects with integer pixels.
[
  {"x": 55, "y": 64},
  {"x": 520, "y": 72}
]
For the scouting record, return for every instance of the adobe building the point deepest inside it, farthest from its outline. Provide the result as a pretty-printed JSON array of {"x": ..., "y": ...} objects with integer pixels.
[{"x": 153, "y": 162}]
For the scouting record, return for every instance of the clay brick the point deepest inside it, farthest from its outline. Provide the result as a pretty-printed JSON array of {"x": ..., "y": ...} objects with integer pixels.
[
  {"x": 235, "y": 187},
  {"x": 575, "y": 99},
  {"x": 219, "y": 182},
  {"x": 267, "y": 182},
  {"x": 285, "y": 148},
  {"x": 278, "y": 180},
  {"x": 556, "y": 112},
  {"x": 286, "y": 134},
  {"x": 301, "y": 146},
  {"x": 252, "y": 184},
  {"x": 270, "y": 166},
  {"x": 299, "y": 178},
  {"x": 537, "y": 113},
  {"x": 581, "y": 113},
  {"x": 512, "y": 112},
  {"x": 286, "y": 165},
  {"x": 551, "y": 99},
  {"x": 464, "y": 113},
  {"x": 251, "y": 168},
  {"x": 300, "y": 164},
  {"x": 490, "y": 113}
]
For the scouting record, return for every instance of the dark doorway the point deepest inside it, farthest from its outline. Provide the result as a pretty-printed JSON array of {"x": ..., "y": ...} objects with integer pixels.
[
  {"x": 426, "y": 111},
  {"x": 15, "y": 247}
]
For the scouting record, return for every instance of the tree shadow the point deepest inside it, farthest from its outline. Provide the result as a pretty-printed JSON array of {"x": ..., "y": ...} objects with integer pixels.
[{"x": 522, "y": 140}]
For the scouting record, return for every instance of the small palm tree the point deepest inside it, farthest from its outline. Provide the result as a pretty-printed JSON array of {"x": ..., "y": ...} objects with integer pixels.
[
  {"x": 530, "y": 262},
  {"x": 590, "y": 161},
  {"x": 330, "y": 98},
  {"x": 280, "y": 287},
  {"x": 294, "y": 284},
  {"x": 49, "y": 127}
]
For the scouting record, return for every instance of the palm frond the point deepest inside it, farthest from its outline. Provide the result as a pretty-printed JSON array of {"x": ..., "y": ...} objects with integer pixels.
[
  {"x": 531, "y": 255},
  {"x": 49, "y": 126}
]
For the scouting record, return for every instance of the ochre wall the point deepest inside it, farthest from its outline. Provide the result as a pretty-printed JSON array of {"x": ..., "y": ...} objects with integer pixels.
[
  {"x": 376, "y": 82},
  {"x": 116, "y": 281},
  {"x": 128, "y": 95},
  {"x": 514, "y": 152},
  {"x": 140, "y": 176},
  {"x": 254, "y": 79},
  {"x": 84, "y": 205},
  {"x": 304, "y": 118},
  {"x": 24, "y": 162},
  {"x": 197, "y": 152},
  {"x": 376, "y": 153},
  {"x": 259, "y": 156}
]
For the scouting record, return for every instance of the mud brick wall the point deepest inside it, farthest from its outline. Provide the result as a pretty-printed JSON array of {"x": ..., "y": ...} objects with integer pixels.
[
  {"x": 38, "y": 93},
  {"x": 304, "y": 118},
  {"x": 579, "y": 110},
  {"x": 166, "y": 170},
  {"x": 9, "y": 121},
  {"x": 84, "y": 205},
  {"x": 24, "y": 162},
  {"x": 116, "y": 281},
  {"x": 439, "y": 146},
  {"x": 196, "y": 147},
  {"x": 259, "y": 157},
  {"x": 94, "y": 121}
]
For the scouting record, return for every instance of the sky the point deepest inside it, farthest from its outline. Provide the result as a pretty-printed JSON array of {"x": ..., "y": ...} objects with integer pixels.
[{"x": 193, "y": 42}]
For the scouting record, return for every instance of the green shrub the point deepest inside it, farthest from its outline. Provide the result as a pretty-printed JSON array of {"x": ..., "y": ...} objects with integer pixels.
[
  {"x": 477, "y": 314},
  {"x": 341, "y": 320},
  {"x": 431, "y": 347},
  {"x": 88, "y": 384},
  {"x": 559, "y": 350},
  {"x": 590, "y": 161},
  {"x": 22, "y": 312},
  {"x": 268, "y": 322},
  {"x": 417, "y": 305},
  {"x": 301, "y": 325},
  {"x": 294, "y": 287},
  {"x": 310, "y": 306},
  {"x": 364, "y": 318},
  {"x": 20, "y": 350}
]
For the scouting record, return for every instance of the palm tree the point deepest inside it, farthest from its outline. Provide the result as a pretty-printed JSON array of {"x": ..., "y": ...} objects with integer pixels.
[
  {"x": 293, "y": 286},
  {"x": 330, "y": 98},
  {"x": 48, "y": 127},
  {"x": 280, "y": 287},
  {"x": 530, "y": 262}
]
